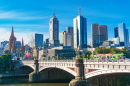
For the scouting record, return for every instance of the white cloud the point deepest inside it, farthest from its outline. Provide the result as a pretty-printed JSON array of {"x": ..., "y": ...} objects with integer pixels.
[
  {"x": 21, "y": 15},
  {"x": 5, "y": 35}
]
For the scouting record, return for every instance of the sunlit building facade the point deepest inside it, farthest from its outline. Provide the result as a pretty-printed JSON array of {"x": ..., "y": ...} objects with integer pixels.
[
  {"x": 80, "y": 31},
  {"x": 54, "y": 31}
]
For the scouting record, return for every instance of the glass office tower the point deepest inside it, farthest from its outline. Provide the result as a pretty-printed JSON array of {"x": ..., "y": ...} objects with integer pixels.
[
  {"x": 80, "y": 31},
  {"x": 124, "y": 35},
  {"x": 116, "y": 32}
]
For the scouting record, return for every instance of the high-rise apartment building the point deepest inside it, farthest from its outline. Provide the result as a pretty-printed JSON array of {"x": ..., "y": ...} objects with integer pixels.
[
  {"x": 80, "y": 31},
  {"x": 54, "y": 30},
  {"x": 95, "y": 35},
  {"x": 61, "y": 38},
  {"x": 67, "y": 39},
  {"x": 124, "y": 35},
  {"x": 103, "y": 34},
  {"x": 35, "y": 40},
  {"x": 116, "y": 34},
  {"x": 70, "y": 31},
  {"x": 99, "y": 34}
]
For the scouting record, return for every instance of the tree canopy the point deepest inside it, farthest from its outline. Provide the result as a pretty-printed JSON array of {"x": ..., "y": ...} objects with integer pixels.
[{"x": 5, "y": 61}]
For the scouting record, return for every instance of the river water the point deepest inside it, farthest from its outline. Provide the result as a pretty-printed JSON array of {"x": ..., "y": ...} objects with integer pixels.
[
  {"x": 23, "y": 81},
  {"x": 121, "y": 79}
]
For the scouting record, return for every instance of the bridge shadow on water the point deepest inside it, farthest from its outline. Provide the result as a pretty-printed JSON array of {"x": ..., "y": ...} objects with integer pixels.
[
  {"x": 118, "y": 79},
  {"x": 55, "y": 75}
]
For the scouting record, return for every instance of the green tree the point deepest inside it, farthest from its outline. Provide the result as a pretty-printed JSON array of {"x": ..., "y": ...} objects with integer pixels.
[
  {"x": 111, "y": 50},
  {"x": 84, "y": 56},
  {"x": 91, "y": 57},
  {"x": 103, "y": 49},
  {"x": 88, "y": 54},
  {"x": 5, "y": 61}
]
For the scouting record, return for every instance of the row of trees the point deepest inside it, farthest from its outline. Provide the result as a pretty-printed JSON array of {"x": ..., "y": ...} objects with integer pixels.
[
  {"x": 87, "y": 55},
  {"x": 5, "y": 61},
  {"x": 103, "y": 50}
]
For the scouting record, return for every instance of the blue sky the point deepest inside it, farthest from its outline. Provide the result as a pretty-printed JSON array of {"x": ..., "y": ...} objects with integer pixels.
[{"x": 32, "y": 16}]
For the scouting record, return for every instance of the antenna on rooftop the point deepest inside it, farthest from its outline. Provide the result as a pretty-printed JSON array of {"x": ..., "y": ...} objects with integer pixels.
[{"x": 79, "y": 11}]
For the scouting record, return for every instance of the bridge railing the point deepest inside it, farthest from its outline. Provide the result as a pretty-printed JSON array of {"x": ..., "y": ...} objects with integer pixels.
[
  {"x": 65, "y": 63},
  {"x": 108, "y": 61}
]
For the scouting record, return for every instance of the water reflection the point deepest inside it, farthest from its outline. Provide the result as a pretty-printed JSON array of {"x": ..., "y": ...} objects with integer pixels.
[{"x": 23, "y": 81}]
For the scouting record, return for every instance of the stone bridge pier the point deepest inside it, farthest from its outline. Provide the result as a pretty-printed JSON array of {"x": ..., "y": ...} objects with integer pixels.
[
  {"x": 80, "y": 76},
  {"x": 34, "y": 76}
]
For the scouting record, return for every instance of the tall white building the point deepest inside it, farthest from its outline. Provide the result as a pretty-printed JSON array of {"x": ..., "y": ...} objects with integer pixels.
[
  {"x": 54, "y": 30},
  {"x": 80, "y": 31}
]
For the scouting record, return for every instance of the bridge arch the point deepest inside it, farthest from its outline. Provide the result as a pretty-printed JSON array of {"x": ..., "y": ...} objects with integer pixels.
[
  {"x": 26, "y": 69},
  {"x": 62, "y": 68},
  {"x": 101, "y": 72},
  {"x": 56, "y": 74},
  {"x": 29, "y": 66}
]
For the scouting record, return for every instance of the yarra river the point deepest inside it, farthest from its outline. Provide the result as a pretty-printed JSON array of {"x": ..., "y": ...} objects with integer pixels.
[
  {"x": 23, "y": 81},
  {"x": 121, "y": 79}
]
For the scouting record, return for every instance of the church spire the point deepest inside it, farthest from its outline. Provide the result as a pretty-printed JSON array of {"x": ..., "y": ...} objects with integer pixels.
[
  {"x": 12, "y": 32},
  {"x": 79, "y": 11}
]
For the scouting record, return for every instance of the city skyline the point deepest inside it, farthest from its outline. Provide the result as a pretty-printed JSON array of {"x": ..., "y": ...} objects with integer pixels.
[{"x": 35, "y": 18}]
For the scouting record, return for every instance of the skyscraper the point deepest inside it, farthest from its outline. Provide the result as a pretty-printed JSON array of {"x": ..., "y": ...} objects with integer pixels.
[
  {"x": 116, "y": 32},
  {"x": 61, "y": 38},
  {"x": 127, "y": 38},
  {"x": 99, "y": 34},
  {"x": 67, "y": 39},
  {"x": 80, "y": 31},
  {"x": 124, "y": 35},
  {"x": 54, "y": 30},
  {"x": 95, "y": 35},
  {"x": 35, "y": 40},
  {"x": 70, "y": 31},
  {"x": 103, "y": 34}
]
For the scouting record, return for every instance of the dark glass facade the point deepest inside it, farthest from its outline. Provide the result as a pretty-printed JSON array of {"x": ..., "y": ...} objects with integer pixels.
[{"x": 116, "y": 34}]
